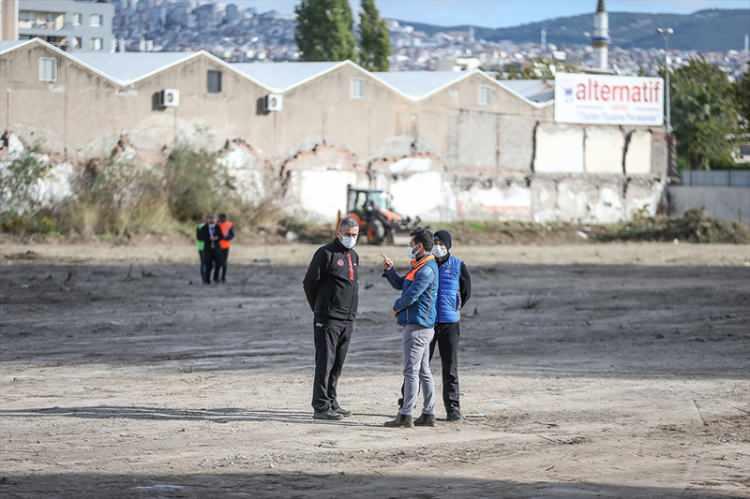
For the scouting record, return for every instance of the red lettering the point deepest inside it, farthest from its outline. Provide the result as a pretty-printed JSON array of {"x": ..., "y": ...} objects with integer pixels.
[
  {"x": 581, "y": 92},
  {"x": 636, "y": 94},
  {"x": 598, "y": 91}
]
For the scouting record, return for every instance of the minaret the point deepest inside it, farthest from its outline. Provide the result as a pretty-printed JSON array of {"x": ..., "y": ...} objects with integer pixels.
[{"x": 600, "y": 38}]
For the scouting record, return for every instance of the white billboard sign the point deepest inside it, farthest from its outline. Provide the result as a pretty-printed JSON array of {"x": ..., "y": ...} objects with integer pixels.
[{"x": 609, "y": 100}]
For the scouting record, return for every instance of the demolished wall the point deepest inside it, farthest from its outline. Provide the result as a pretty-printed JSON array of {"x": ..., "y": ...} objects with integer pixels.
[{"x": 577, "y": 174}]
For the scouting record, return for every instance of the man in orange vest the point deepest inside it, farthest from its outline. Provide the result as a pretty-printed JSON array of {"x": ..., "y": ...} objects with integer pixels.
[{"x": 227, "y": 234}]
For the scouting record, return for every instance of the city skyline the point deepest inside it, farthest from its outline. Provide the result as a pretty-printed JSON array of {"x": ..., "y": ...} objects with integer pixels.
[{"x": 504, "y": 13}]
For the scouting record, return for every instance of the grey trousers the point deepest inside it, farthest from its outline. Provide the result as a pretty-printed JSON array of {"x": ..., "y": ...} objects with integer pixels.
[{"x": 415, "y": 342}]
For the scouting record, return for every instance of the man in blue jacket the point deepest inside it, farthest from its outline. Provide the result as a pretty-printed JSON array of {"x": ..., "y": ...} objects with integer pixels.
[
  {"x": 416, "y": 312},
  {"x": 454, "y": 292}
]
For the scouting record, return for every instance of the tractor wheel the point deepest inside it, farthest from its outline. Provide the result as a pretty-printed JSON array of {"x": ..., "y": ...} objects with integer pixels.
[{"x": 376, "y": 232}]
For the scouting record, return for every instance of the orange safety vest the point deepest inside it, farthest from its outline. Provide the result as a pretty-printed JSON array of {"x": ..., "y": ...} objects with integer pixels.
[{"x": 224, "y": 228}]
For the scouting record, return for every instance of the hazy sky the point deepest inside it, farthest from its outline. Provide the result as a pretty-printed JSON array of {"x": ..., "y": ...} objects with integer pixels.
[{"x": 496, "y": 13}]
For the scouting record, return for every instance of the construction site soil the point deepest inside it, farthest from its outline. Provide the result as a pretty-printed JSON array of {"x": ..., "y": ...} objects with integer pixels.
[{"x": 610, "y": 370}]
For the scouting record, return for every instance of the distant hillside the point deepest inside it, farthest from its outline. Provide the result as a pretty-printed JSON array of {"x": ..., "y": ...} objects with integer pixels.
[{"x": 705, "y": 30}]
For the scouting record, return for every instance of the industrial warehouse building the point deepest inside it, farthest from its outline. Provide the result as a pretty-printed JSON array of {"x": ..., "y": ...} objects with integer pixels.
[{"x": 447, "y": 145}]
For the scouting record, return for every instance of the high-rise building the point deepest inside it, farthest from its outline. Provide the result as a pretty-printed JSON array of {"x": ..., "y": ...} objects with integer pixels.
[
  {"x": 8, "y": 19},
  {"x": 84, "y": 25},
  {"x": 600, "y": 38}
]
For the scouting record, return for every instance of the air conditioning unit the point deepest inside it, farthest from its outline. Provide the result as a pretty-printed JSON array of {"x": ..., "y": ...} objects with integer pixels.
[
  {"x": 169, "y": 97},
  {"x": 274, "y": 103}
]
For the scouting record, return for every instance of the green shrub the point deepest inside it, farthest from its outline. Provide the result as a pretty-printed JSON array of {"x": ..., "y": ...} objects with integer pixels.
[
  {"x": 195, "y": 184},
  {"x": 24, "y": 224},
  {"x": 121, "y": 199},
  {"x": 117, "y": 198},
  {"x": 17, "y": 183}
]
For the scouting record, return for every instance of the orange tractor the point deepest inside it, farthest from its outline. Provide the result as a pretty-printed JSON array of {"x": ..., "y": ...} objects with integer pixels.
[{"x": 377, "y": 221}]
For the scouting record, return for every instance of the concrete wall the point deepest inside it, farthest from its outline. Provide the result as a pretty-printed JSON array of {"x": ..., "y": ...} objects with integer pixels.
[
  {"x": 446, "y": 157},
  {"x": 83, "y": 114},
  {"x": 724, "y": 203}
]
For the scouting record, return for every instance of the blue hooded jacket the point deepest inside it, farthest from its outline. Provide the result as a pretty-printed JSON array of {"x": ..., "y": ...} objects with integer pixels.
[{"x": 419, "y": 289}]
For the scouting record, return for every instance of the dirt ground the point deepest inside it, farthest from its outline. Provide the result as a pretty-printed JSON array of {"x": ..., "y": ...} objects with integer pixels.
[{"x": 586, "y": 371}]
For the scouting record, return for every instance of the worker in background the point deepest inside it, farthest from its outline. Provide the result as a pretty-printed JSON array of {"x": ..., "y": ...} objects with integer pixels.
[
  {"x": 453, "y": 294},
  {"x": 210, "y": 235},
  {"x": 200, "y": 242},
  {"x": 332, "y": 289},
  {"x": 416, "y": 312},
  {"x": 227, "y": 234}
]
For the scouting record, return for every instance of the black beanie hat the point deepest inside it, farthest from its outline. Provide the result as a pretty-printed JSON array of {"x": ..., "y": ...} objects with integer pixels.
[{"x": 444, "y": 237}]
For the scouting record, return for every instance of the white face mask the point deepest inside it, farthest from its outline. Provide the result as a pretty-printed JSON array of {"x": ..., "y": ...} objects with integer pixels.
[
  {"x": 439, "y": 251},
  {"x": 412, "y": 253},
  {"x": 348, "y": 241}
]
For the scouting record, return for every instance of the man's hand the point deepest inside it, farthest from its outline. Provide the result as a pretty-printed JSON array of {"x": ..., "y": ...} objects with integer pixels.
[{"x": 387, "y": 262}]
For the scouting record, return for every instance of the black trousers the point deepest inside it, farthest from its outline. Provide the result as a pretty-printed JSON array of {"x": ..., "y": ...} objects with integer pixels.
[
  {"x": 331, "y": 345},
  {"x": 446, "y": 340},
  {"x": 222, "y": 265},
  {"x": 205, "y": 257},
  {"x": 218, "y": 262}
]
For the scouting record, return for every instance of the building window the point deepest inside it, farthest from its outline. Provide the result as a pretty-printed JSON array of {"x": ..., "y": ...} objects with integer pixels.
[
  {"x": 484, "y": 95},
  {"x": 97, "y": 44},
  {"x": 96, "y": 20},
  {"x": 358, "y": 89},
  {"x": 47, "y": 69},
  {"x": 77, "y": 19},
  {"x": 50, "y": 21},
  {"x": 214, "y": 81},
  {"x": 78, "y": 42}
]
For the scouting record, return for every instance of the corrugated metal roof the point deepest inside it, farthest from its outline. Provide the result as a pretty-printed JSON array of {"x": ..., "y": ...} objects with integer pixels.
[
  {"x": 281, "y": 76},
  {"x": 126, "y": 67},
  {"x": 6, "y": 46},
  {"x": 419, "y": 84},
  {"x": 538, "y": 91}
]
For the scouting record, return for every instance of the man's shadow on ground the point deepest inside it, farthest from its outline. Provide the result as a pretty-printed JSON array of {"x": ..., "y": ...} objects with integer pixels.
[{"x": 217, "y": 415}]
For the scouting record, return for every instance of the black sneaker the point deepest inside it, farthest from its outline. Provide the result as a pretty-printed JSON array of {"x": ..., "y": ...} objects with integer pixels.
[
  {"x": 455, "y": 417},
  {"x": 342, "y": 411},
  {"x": 425, "y": 420},
  {"x": 329, "y": 415}
]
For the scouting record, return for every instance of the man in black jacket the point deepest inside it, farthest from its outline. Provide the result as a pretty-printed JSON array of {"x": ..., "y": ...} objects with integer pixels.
[
  {"x": 209, "y": 235},
  {"x": 332, "y": 289}
]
